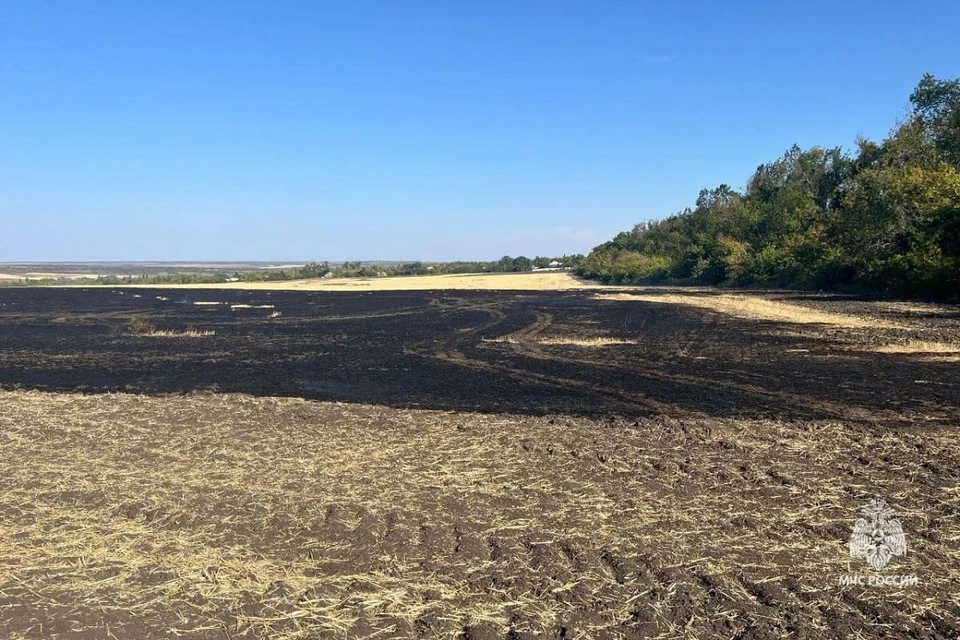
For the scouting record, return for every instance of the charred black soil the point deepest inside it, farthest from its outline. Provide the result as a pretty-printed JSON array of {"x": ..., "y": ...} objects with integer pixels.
[{"x": 480, "y": 351}]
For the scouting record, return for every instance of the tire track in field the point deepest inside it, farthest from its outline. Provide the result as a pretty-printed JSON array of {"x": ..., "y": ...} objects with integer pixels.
[
  {"x": 524, "y": 343},
  {"x": 451, "y": 351}
]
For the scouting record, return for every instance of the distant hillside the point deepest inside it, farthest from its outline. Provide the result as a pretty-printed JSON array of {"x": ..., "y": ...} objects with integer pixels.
[{"x": 886, "y": 219}]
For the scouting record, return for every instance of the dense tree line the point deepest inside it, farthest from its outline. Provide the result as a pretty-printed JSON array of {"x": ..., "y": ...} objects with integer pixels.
[
  {"x": 884, "y": 219},
  {"x": 506, "y": 264}
]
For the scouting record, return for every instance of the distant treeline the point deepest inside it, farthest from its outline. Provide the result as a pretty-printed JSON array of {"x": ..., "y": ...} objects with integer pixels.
[
  {"x": 505, "y": 264},
  {"x": 886, "y": 219}
]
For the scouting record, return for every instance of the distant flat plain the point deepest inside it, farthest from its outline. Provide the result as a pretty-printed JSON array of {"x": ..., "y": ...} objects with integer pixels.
[{"x": 532, "y": 281}]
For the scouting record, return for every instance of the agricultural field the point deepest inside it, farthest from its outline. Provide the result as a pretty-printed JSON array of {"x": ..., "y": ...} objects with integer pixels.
[
  {"x": 529, "y": 281},
  {"x": 455, "y": 463}
]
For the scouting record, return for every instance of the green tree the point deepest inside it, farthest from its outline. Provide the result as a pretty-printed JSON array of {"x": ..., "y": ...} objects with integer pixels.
[
  {"x": 936, "y": 104},
  {"x": 887, "y": 218}
]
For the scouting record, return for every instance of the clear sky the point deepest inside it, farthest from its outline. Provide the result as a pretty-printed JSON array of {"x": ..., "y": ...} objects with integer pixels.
[{"x": 207, "y": 130}]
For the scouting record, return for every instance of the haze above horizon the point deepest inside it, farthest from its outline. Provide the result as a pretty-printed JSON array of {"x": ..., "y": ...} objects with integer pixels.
[{"x": 296, "y": 131}]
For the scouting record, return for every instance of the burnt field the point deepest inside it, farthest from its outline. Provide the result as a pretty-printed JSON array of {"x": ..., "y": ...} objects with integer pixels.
[
  {"x": 247, "y": 464},
  {"x": 483, "y": 351}
]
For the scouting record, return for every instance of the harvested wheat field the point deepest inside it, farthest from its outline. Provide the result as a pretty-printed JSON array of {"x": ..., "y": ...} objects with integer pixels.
[
  {"x": 530, "y": 281},
  {"x": 473, "y": 464}
]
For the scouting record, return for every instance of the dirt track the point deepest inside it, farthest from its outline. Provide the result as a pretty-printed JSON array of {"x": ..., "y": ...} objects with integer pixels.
[{"x": 474, "y": 468}]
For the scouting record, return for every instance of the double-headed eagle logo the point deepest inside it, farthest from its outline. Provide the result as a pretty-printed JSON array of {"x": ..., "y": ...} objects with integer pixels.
[{"x": 877, "y": 535}]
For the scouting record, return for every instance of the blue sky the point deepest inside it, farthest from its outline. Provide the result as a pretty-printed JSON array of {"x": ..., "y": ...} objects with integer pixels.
[{"x": 420, "y": 130}]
